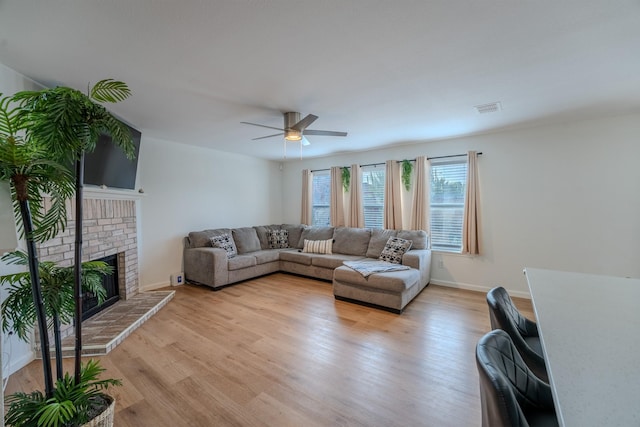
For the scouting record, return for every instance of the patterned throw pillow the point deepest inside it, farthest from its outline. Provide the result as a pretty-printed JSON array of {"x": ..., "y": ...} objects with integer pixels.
[
  {"x": 224, "y": 241},
  {"x": 394, "y": 249},
  {"x": 278, "y": 239},
  {"x": 318, "y": 246}
]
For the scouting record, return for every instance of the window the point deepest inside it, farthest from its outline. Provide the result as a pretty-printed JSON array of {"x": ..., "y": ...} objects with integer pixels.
[
  {"x": 373, "y": 196},
  {"x": 448, "y": 184},
  {"x": 321, "y": 194}
]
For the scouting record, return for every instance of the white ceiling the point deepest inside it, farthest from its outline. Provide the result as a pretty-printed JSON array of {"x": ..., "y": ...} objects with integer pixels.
[{"x": 387, "y": 72}]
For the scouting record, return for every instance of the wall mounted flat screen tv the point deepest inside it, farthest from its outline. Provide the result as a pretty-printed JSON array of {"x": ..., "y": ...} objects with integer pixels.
[{"x": 107, "y": 165}]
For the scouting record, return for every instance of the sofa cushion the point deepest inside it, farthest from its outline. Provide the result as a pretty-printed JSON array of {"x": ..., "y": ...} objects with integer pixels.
[
  {"x": 295, "y": 231},
  {"x": 420, "y": 238},
  {"x": 278, "y": 239},
  {"x": 246, "y": 239},
  {"x": 317, "y": 246},
  {"x": 379, "y": 238},
  {"x": 395, "y": 249},
  {"x": 225, "y": 241},
  {"x": 295, "y": 256},
  {"x": 262, "y": 232},
  {"x": 265, "y": 256},
  {"x": 315, "y": 233},
  {"x": 351, "y": 241},
  {"x": 332, "y": 261},
  {"x": 241, "y": 261},
  {"x": 202, "y": 239},
  {"x": 393, "y": 281}
]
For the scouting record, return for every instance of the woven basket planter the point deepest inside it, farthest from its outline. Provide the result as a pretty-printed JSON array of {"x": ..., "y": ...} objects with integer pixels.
[{"x": 105, "y": 419}]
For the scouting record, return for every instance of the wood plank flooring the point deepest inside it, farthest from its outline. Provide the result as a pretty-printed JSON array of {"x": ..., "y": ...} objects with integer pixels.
[{"x": 280, "y": 351}]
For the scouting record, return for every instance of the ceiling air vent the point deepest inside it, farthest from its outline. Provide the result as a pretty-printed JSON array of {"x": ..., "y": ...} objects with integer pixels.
[{"x": 488, "y": 108}]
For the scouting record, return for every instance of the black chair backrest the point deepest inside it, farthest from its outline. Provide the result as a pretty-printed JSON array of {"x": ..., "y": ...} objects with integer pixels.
[
  {"x": 508, "y": 388},
  {"x": 505, "y": 315}
]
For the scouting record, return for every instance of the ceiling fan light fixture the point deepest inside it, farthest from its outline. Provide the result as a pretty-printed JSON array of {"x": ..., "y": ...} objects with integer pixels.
[{"x": 292, "y": 135}]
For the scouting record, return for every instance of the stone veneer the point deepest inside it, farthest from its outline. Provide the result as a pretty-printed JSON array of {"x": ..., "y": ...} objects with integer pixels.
[{"x": 109, "y": 227}]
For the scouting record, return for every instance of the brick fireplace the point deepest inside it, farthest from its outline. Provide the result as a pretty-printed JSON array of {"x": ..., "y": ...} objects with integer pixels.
[{"x": 109, "y": 228}]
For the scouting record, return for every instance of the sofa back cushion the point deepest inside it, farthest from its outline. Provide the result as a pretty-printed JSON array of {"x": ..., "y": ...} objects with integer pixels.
[
  {"x": 351, "y": 241},
  {"x": 295, "y": 231},
  {"x": 379, "y": 238},
  {"x": 201, "y": 239},
  {"x": 420, "y": 238},
  {"x": 263, "y": 234},
  {"x": 246, "y": 239},
  {"x": 314, "y": 233}
]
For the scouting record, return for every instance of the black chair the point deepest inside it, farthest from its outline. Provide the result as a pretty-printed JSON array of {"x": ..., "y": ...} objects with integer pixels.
[
  {"x": 511, "y": 395},
  {"x": 523, "y": 332}
]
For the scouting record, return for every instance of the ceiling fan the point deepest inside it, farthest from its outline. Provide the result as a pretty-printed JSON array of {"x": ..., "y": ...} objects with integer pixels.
[{"x": 296, "y": 129}]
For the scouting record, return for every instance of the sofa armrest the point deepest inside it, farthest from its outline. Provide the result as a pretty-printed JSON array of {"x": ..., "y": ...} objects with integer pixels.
[
  {"x": 420, "y": 259},
  {"x": 207, "y": 266}
]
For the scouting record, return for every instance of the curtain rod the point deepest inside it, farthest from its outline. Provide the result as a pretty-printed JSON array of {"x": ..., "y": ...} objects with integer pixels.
[{"x": 399, "y": 161}]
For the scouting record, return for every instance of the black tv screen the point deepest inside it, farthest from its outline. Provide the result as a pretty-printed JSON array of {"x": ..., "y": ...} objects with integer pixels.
[{"x": 107, "y": 165}]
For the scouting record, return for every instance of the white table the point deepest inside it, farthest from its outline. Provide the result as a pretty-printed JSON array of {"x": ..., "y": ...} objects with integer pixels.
[{"x": 590, "y": 332}]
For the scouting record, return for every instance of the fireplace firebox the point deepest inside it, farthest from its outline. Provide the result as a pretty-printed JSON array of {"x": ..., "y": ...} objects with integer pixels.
[{"x": 90, "y": 304}]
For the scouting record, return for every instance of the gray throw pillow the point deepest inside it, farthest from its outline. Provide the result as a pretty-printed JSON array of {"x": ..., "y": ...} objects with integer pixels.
[
  {"x": 224, "y": 241},
  {"x": 394, "y": 249}
]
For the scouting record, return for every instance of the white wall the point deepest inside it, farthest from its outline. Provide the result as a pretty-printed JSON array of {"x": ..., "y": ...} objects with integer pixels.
[
  {"x": 562, "y": 197},
  {"x": 15, "y": 353},
  {"x": 190, "y": 188}
]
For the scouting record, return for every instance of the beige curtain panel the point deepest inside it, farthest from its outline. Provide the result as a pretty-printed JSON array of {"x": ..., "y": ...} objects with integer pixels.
[
  {"x": 392, "y": 196},
  {"x": 470, "y": 234},
  {"x": 421, "y": 201},
  {"x": 356, "y": 210},
  {"x": 336, "y": 203},
  {"x": 307, "y": 183}
]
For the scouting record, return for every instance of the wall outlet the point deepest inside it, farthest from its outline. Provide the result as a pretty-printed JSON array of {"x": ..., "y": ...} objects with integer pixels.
[
  {"x": 440, "y": 264},
  {"x": 177, "y": 279}
]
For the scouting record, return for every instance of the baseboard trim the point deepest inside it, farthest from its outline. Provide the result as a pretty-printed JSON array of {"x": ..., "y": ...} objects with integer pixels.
[
  {"x": 154, "y": 286},
  {"x": 17, "y": 364},
  {"x": 477, "y": 288}
]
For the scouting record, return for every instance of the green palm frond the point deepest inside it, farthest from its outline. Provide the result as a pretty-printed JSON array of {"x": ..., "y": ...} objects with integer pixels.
[
  {"x": 18, "y": 311},
  {"x": 68, "y": 122},
  {"x": 110, "y": 90},
  {"x": 9, "y": 124},
  {"x": 29, "y": 161},
  {"x": 69, "y": 405}
]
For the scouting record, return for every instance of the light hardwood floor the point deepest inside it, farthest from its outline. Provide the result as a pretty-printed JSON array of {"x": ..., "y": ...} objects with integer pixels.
[{"x": 280, "y": 351}]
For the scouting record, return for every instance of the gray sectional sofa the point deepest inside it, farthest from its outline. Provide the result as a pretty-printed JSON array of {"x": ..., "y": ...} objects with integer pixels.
[{"x": 392, "y": 290}]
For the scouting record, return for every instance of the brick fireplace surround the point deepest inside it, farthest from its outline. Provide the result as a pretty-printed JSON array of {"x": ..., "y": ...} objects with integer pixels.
[{"x": 109, "y": 228}]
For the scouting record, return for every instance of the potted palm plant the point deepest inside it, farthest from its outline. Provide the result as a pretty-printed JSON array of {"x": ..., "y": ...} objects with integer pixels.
[
  {"x": 73, "y": 402},
  {"x": 48, "y": 130}
]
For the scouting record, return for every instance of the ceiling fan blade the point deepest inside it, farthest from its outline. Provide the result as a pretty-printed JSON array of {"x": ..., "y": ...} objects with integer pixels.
[
  {"x": 302, "y": 124},
  {"x": 268, "y": 136},
  {"x": 304, "y": 141},
  {"x": 262, "y": 126},
  {"x": 323, "y": 132}
]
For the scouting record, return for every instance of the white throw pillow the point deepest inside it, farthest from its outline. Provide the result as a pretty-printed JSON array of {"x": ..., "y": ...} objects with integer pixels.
[{"x": 318, "y": 246}]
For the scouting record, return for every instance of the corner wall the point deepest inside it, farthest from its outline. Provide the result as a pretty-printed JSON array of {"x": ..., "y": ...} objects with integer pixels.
[
  {"x": 561, "y": 197},
  {"x": 190, "y": 188}
]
